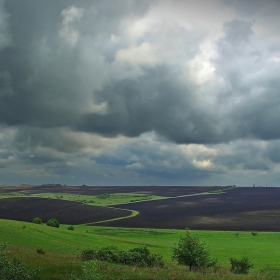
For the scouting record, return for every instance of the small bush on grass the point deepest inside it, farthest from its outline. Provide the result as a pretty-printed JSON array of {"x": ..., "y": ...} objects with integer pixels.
[
  {"x": 141, "y": 257},
  {"x": 53, "y": 223},
  {"x": 14, "y": 270},
  {"x": 40, "y": 251},
  {"x": 70, "y": 228},
  {"x": 103, "y": 196},
  {"x": 240, "y": 266},
  {"x": 37, "y": 220},
  {"x": 89, "y": 272}
]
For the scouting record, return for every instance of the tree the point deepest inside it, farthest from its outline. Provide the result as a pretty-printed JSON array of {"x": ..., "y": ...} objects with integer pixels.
[
  {"x": 37, "y": 220},
  {"x": 53, "y": 223},
  {"x": 192, "y": 252},
  {"x": 254, "y": 234}
]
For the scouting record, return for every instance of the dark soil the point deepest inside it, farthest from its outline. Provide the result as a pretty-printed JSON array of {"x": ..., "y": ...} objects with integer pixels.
[
  {"x": 240, "y": 209},
  {"x": 244, "y": 209},
  {"x": 66, "y": 212}
]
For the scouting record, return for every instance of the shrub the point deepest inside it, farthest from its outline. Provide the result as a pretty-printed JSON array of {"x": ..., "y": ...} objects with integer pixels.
[
  {"x": 14, "y": 270},
  {"x": 191, "y": 252},
  {"x": 53, "y": 223},
  {"x": 70, "y": 228},
  {"x": 240, "y": 266},
  {"x": 37, "y": 220},
  {"x": 103, "y": 196},
  {"x": 40, "y": 251},
  {"x": 89, "y": 272},
  {"x": 141, "y": 257}
]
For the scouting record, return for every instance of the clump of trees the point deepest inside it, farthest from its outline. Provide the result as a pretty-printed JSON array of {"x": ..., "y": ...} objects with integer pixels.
[
  {"x": 53, "y": 223},
  {"x": 141, "y": 256},
  {"x": 190, "y": 251},
  {"x": 37, "y": 220}
]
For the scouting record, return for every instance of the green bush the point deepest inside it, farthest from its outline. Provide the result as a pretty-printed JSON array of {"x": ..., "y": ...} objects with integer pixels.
[
  {"x": 240, "y": 266},
  {"x": 70, "y": 228},
  {"x": 37, "y": 220},
  {"x": 89, "y": 272},
  {"x": 103, "y": 196},
  {"x": 53, "y": 223},
  {"x": 14, "y": 270},
  {"x": 141, "y": 257}
]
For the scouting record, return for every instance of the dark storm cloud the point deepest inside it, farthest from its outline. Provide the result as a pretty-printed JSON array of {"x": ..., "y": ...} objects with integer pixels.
[
  {"x": 41, "y": 85},
  {"x": 38, "y": 81},
  {"x": 253, "y": 86},
  {"x": 57, "y": 139},
  {"x": 272, "y": 151},
  {"x": 244, "y": 155},
  {"x": 76, "y": 76},
  {"x": 146, "y": 160}
]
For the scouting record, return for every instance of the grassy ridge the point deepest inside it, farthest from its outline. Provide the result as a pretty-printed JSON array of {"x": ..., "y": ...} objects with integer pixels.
[{"x": 95, "y": 200}]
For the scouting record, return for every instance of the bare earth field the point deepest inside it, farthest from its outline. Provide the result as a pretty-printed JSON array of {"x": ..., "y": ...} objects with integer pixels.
[
  {"x": 66, "y": 212},
  {"x": 243, "y": 209},
  {"x": 239, "y": 209}
]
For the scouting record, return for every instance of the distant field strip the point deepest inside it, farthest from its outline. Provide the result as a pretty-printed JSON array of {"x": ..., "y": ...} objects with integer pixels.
[{"x": 95, "y": 200}]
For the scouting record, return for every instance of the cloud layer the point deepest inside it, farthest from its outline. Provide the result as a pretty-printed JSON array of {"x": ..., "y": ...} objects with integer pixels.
[{"x": 140, "y": 92}]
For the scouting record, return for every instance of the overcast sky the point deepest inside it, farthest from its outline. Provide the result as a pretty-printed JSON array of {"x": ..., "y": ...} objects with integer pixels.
[{"x": 129, "y": 92}]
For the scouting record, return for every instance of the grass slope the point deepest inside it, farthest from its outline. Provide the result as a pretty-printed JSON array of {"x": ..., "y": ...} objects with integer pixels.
[{"x": 64, "y": 246}]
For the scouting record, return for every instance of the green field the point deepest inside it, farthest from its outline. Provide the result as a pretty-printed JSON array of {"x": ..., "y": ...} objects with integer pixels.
[
  {"x": 95, "y": 200},
  {"x": 63, "y": 247}
]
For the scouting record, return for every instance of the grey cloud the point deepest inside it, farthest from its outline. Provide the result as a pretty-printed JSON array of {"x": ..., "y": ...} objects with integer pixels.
[
  {"x": 272, "y": 151},
  {"x": 244, "y": 155},
  {"x": 254, "y": 7},
  {"x": 53, "y": 88},
  {"x": 56, "y": 139},
  {"x": 148, "y": 160},
  {"x": 160, "y": 101},
  {"x": 40, "y": 86}
]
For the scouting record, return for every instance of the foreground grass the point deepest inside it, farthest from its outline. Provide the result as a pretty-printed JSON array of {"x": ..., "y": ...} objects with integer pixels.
[{"x": 63, "y": 247}]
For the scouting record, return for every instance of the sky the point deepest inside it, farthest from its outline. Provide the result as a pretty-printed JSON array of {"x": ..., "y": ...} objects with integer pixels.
[{"x": 150, "y": 92}]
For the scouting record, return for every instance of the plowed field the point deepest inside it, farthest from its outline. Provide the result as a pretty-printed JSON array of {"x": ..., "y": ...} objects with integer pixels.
[
  {"x": 66, "y": 212},
  {"x": 238, "y": 209}
]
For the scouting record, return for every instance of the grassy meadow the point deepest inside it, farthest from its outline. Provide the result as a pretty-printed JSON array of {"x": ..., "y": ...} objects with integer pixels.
[
  {"x": 63, "y": 247},
  {"x": 95, "y": 200}
]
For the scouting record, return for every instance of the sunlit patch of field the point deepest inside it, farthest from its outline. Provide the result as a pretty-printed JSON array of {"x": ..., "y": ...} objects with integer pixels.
[{"x": 95, "y": 200}]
